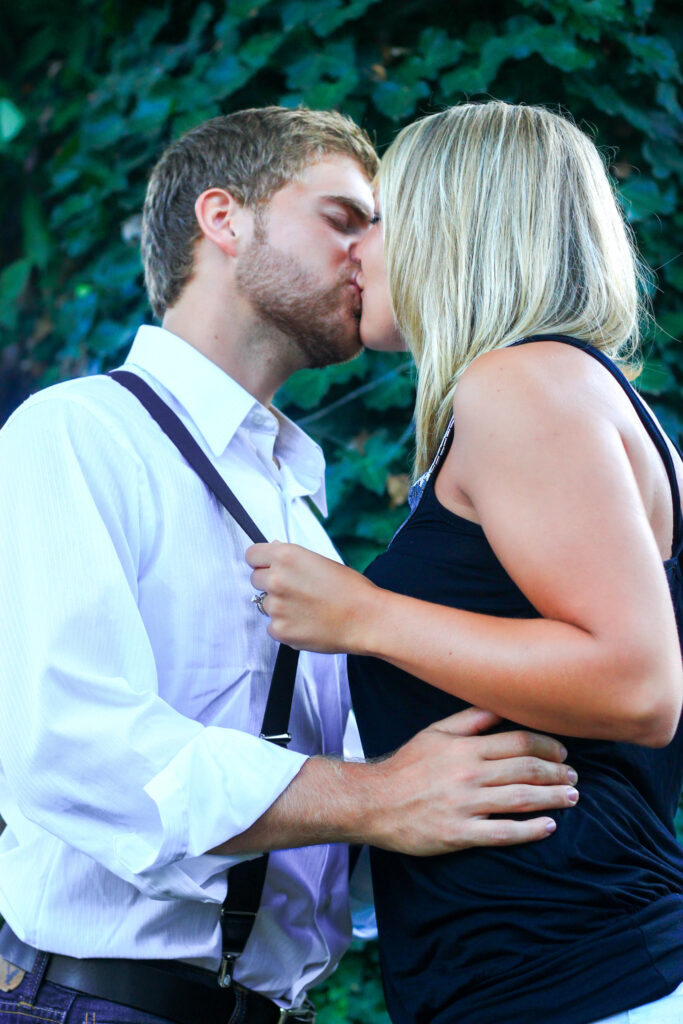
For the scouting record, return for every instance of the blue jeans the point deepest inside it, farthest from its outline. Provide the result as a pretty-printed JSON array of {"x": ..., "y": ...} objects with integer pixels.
[{"x": 41, "y": 1001}]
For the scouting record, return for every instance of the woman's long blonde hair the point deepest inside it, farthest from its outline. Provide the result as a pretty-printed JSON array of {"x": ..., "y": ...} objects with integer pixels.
[{"x": 500, "y": 222}]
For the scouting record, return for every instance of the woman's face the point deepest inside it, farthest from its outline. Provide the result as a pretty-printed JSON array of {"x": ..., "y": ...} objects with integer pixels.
[{"x": 378, "y": 328}]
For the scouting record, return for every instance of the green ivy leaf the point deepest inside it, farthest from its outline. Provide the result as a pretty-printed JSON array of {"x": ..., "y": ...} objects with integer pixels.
[
  {"x": 654, "y": 55},
  {"x": 643, "y": 8},
  {"x": 75, "y": 318},
  {"x": 108, "y": 339},
  {"x": 75, "y": 205},
  {"x": 665, "y": 158},
  {"x": 256, "y": 52},
  {"x": 228, "y": 74},
  {"x": 104, "y": 131},
  {"x": 438, "y": 51},
  {"x": 36, "y": 241},
  {"x": 337, "y": 61},
  {"x": 358, "y": 554},
  {"x": 11, "y": 120},
  {"x": 296, "y": 391},
  {"x": 469, "y": 80},
  {"x": 667, "y": 97},
  {"x": 670, "y": 325},
  {"x": 148, "y": 26},
  {"x": 307, "y": 388},
  {"x": 183, "y": 122},
  {"x": 655, "y": 377},
  {"x": 149, "y": 114},
  {"x": 381, "y": 525},
  {"x": 13, "y": 280},
  {"x": 642, "y": 198},
  {"x": 200, "y": 19},
  {"x": 674, "y": 274},
  {"x": 325, "y": 16},
  {"x": 606, "y": 98},
  {"x": 243, "y": 10},
  {"x": 398, "y": 391},
  {"x": 397, "y": 100}
]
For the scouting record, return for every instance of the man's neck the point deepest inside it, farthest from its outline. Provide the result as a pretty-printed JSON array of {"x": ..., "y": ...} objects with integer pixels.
[{"x": 259, "y": 360}]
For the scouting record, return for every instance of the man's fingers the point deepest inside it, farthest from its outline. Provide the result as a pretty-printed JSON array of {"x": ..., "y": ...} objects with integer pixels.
[
  {"x": 522, "y": 799},
  {"x": 468, "y": 722},
  {"x": 520, "y": 743},
  {"x": 532, "y": 770},
  {"x": 501, "y": 832}
]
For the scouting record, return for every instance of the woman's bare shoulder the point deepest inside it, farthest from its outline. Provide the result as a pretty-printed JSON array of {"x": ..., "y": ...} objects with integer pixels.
[{"x": 545, "y": 376}]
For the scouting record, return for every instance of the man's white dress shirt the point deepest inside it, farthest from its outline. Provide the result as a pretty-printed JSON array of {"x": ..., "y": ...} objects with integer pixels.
[{"x": 134, "y": 674}]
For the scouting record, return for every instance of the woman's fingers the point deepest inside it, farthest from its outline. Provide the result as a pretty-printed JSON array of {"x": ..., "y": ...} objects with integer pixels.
[
  {"x": 259, "y": 579},
  {"x": 262, "y": 555}
]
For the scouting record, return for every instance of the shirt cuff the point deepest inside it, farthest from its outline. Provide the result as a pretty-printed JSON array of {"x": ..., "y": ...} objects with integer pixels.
[{"x": 214, "y": 788}]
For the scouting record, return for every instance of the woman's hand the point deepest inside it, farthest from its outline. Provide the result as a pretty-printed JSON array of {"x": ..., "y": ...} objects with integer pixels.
[{"x": 314, "y": 603}]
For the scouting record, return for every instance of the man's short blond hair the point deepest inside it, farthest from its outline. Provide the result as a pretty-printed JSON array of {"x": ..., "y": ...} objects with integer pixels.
[{"x": 251, "y": 153}]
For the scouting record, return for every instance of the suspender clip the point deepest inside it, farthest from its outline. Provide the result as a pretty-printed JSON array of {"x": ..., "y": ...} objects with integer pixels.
[
  {"x": 281, "y": 739},
  {"x": 227, "y": 969}
]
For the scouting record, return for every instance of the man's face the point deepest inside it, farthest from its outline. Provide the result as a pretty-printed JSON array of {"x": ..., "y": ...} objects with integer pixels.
[{"x": 298, "y": 273}]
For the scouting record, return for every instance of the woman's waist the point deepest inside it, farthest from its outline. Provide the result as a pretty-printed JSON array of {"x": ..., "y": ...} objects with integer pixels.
[{"x": 489, "y": 911}]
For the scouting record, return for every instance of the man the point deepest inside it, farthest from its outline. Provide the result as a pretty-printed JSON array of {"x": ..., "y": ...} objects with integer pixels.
[{"x": 135, "y": 665}]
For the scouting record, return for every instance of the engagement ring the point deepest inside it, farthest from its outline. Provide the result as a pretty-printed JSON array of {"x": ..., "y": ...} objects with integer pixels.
[{"x": 257, "y": 599}]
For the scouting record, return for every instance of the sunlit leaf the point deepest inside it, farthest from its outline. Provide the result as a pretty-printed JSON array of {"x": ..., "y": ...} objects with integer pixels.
[{"x": 11, "y": 120}]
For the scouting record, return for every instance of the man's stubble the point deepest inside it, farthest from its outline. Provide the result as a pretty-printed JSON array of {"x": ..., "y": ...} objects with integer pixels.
[{"x": 321, "y": 322}]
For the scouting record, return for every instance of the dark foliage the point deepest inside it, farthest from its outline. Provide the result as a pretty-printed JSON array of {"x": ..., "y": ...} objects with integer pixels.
[{"x": 92, "y": 91}]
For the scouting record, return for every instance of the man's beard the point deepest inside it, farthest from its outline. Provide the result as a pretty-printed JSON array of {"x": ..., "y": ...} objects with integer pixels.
[{"x": 322, "y": 323}]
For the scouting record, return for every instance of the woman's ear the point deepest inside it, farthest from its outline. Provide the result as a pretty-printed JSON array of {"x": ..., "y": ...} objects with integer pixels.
[{"x": 222, "y": 219}]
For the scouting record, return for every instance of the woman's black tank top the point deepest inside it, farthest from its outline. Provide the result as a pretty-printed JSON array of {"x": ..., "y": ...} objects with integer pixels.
[{"x": 582, "y": 925}]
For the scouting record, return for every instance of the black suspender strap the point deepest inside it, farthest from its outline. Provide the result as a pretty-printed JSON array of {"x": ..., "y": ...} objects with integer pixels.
[{"x": 245, "y": 880}]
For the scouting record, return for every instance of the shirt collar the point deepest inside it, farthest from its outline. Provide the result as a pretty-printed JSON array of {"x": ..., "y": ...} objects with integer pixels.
[{"x": 219, "y": 406}]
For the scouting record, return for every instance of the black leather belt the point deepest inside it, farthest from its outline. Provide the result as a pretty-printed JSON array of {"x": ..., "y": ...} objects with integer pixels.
[{"x": 177, "y": 991}]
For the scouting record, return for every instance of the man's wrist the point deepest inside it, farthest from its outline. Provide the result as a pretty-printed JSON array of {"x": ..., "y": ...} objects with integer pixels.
[{"x": 328, "y": 801}]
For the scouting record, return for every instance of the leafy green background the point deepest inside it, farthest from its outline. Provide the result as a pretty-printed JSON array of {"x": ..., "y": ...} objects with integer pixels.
[{"x": 92, "y": 90}]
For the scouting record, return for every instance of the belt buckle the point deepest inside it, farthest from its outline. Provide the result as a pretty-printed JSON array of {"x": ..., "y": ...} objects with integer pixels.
[{"x": 301, "y": 1015}]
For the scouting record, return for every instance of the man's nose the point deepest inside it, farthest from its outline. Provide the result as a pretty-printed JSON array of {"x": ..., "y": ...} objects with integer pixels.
[{"x": 353, "y": 250}]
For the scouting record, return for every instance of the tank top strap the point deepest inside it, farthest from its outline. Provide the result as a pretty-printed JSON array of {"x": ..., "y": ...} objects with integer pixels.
[
  {"x": 420, "y": 485},
  {"x": 645, "y": 417}
]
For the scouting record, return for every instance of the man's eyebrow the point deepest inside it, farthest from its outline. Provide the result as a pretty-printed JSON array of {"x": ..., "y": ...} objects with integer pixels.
[{"x": 360, "y": 209}]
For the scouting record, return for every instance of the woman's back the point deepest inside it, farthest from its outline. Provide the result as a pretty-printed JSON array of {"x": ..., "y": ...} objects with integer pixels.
[{"x": 581, "y": 926}]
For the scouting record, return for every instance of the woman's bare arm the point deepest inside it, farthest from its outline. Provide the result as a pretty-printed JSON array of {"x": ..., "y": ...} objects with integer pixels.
[{"x": 552, "y": 485}]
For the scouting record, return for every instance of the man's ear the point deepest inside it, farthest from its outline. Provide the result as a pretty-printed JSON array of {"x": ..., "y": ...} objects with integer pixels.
[{"x": 222, "y": 219}]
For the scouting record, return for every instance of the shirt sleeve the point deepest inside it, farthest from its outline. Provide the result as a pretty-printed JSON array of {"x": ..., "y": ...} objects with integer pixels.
[{"x": 90, "y": 751}]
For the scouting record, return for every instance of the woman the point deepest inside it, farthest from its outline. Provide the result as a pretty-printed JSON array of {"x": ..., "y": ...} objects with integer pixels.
[{"x": 528, "y": 578}]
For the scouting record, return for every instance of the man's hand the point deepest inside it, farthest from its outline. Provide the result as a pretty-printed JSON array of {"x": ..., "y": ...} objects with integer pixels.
[
  {"x": 441, "y": 787},
  {"x": 433, "y": 796}
]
